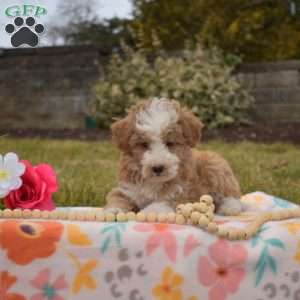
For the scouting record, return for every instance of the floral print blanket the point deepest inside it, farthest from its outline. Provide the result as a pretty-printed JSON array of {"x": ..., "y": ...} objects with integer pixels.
[{"x": 56, "y": 260}]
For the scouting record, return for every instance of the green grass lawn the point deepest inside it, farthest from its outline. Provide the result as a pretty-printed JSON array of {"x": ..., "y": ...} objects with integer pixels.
[{"x": 87, "y": 170}]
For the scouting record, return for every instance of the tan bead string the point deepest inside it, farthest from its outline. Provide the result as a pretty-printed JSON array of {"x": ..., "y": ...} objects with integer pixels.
[{"x": 199, "y": 213}]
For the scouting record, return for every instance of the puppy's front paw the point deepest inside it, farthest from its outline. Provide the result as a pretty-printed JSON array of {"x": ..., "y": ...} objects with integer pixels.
[
  {"x": 158, "y": 207},
  {"x": 230, "y": 206},
  {"x": 113, "y": 210}
]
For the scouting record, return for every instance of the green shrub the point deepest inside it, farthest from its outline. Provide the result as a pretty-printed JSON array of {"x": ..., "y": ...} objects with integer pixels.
[{"x": 201, "y": 80}]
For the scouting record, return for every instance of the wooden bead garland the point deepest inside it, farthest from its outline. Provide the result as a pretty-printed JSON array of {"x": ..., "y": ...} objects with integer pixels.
[
  {"x": 121, "y": 217},
  {"x": 131, "y": 216},
  {"x": 200, "y": 213},
  {"x": 110, "y": 217},
  {"x": 100, "y": 217},
  {"x": 141, "y": 217},
  {"x": 171, "y": 217},
  {"x": 161, "y": 218}
]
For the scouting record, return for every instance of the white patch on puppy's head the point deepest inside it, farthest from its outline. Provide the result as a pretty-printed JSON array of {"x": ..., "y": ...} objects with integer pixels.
[
  {"x": 158, "y": 163},
  {"x": 156, "y": 117}
]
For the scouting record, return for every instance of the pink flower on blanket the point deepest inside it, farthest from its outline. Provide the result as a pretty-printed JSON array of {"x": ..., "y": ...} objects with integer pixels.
[
  {"x": 190, "y": 244},
  {"x": 47, "y": 290},
  {"x": 161, "y": 235},
  {"x": 223, "y": 271}
]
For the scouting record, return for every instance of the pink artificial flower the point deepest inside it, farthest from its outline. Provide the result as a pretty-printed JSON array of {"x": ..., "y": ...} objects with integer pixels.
[
  {"x": 39, "y": 183},
  {"x": 223, "y": 270},
  {"x": 48, "y": 291},
  {"x": 161, "y": 235}
]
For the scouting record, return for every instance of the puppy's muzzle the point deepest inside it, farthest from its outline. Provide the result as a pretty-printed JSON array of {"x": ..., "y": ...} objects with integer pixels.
[{"x": 158, "y": 170}]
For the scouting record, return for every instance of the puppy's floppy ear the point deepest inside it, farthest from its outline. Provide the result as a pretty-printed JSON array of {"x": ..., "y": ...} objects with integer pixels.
[
  {"x": 191, "y": 127},
  {"x": 121, "y": 132}
]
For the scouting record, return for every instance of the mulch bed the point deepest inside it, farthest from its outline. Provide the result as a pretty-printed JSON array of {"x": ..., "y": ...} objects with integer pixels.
[{"x": 267, "y": 133}]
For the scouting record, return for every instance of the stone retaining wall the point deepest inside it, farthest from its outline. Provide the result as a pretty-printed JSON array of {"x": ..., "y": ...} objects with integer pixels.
[
  {"x": 50, "y": 87},
  {"x": 276, "y": 89},
  {"x": 47, "y": 87}
]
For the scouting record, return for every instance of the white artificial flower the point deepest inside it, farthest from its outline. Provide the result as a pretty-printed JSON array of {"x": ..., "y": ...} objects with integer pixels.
[{"x": 10, "y": 172}]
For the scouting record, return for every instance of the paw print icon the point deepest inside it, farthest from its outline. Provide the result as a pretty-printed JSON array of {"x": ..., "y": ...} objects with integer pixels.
[{"x": 24, "y": 32}]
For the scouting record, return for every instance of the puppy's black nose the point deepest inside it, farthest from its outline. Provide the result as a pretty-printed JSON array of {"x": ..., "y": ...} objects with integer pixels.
[{"x": 158, "y": 169}]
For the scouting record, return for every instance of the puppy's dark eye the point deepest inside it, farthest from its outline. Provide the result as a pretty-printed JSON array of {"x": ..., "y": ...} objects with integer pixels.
[
  {"x": 170, "y": 144},
  {"x": 144, "y": 145}
]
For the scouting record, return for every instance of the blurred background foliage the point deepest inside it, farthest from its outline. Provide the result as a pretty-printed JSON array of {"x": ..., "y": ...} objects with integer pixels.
[
  {"x": 201, "y": 80},
  {"x": 256, "y": 30},
  {"x": 158, "y": 61}
]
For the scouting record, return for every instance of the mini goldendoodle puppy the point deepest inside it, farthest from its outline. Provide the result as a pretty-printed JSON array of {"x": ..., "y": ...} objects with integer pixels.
[{"x": 159, "y": 168}]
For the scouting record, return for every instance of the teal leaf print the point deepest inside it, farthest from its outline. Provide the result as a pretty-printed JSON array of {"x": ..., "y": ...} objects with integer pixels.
[
  {"x": 276, "y": 243},
  {"x": 278, "y": 202},
  {"x": 254, "y": 241},
  {"x": 265, "y": 260},
  {"x": 262, "y": 259},
  {"x": 262, "y": 229},
  {"x": 272, "y": 264},
  {"x": 118, "y": 238},
  {"x": 107, "y": 228},
  {"x": 260, "y": 273},
  {"x": 105, "y": 245},
  {"x": 113, "y": 235}
]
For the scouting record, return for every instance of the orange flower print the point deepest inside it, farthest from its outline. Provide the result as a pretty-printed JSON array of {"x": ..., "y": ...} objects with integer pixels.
[
  {"x": 25, "y": 241},
  {"x": 297, "y": 254},
  {"x": 292, "y": 227},
  {"x": 83, "y": 278},
  {"x": 169, "y": 287},
  {"x": 6, "y": 281}
]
